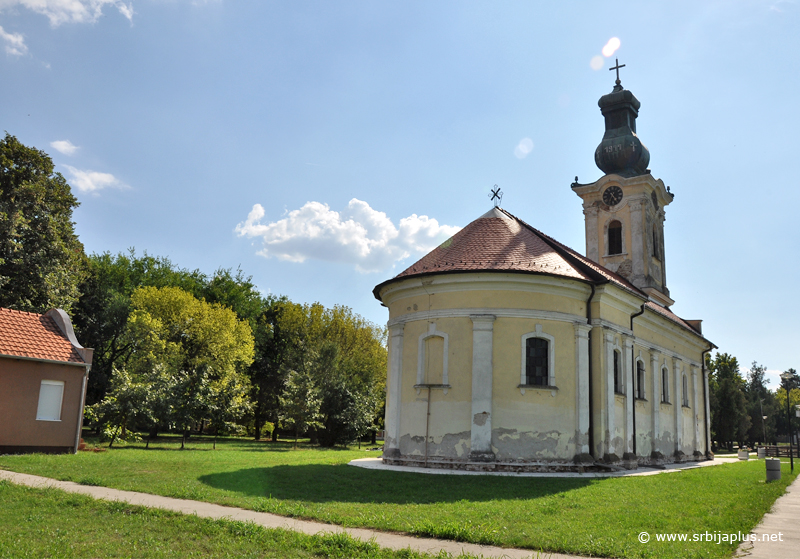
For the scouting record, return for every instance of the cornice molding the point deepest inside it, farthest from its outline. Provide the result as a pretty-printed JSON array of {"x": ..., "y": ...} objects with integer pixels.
[{"x": 499, "y": 313}]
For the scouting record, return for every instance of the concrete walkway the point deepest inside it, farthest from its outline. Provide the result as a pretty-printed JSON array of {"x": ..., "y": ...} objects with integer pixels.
[
  {"x": 208, "y": 510},
  {"x": 377, "y": 464},
  {"x": 782, "y": 522}
]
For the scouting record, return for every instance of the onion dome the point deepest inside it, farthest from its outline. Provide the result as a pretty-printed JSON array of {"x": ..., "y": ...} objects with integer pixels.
[{"x": 621, "y": 152}]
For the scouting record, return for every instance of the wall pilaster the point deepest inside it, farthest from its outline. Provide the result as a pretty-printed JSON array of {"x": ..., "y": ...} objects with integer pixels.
[{"x": 481, "y": 435}]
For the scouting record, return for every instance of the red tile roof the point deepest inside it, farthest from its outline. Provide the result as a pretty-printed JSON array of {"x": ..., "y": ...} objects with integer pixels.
[
  {"x": 25, "y": 334},
  {"x": 496, "y": 243},
  {"x": 500, "y": 242}
]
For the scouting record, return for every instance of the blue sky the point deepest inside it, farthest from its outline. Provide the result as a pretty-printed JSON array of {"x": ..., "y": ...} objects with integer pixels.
[{"x": 325, "y": 146}]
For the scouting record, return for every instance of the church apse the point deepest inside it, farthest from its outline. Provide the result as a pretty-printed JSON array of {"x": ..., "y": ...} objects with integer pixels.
[{"x": 510, "y": 351}]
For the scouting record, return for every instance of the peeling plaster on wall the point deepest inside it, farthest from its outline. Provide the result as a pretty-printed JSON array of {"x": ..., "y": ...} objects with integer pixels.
[
  {"x": 451, "y": 445},
  {"x": 510, "y": 444},
  {"x": 480, "y": 419}
]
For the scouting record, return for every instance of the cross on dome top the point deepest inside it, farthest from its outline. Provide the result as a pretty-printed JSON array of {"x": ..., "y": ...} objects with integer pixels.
[
  {"x": 496, "y": 196},
  {"x": 617, "y": 67}
]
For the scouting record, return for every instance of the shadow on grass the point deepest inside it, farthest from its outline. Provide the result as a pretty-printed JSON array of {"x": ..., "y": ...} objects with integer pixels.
[{"x": 322, "y": 483}]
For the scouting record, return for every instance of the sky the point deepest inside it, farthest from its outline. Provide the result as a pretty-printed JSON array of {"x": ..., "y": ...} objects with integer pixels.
[{"x": 322, "y": 147}]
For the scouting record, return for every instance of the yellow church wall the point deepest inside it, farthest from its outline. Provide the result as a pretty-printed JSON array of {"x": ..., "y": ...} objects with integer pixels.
[
  {"x": 539, "y": 424},
  {"x": 448, "y": 427}
]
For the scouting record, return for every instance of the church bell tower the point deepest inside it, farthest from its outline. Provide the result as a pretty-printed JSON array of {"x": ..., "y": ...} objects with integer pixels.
[{"x": 624, "y": 209}]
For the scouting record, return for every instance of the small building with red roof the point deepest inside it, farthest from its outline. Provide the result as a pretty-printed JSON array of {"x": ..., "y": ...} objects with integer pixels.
[
  {"x": 509, "y": 350},
  {"x": 43, "y": 375}
]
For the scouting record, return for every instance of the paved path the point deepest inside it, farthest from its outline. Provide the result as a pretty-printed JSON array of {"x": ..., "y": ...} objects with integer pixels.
[
  {"x": 783, "y": 522},
  {"x": 377, "y": 464},
  {"x": 208, "y": 510}
]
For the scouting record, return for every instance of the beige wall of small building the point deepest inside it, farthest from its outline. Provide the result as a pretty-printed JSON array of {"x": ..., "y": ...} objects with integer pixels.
[{"x": 19, "y": 401}]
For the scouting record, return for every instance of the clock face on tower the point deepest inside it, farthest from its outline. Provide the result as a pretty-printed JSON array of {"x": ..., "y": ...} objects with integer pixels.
[{"x": 612, "y": 195}]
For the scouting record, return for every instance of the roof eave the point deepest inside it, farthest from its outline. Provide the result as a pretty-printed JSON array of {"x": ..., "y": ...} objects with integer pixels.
[{"x": 377, "y": 289}]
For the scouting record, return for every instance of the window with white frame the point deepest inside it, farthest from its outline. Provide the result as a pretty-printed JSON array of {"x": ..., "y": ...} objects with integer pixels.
[
  {"x": 538, "y": 351},
  {"x": 51, "y": 395},
  {"x": 640, "y": 376},
  {"x": 618, "y": 380},
  {"x": 614, "y": 238},
  {"x": 685, "y": 391},
  {"x": 432, "y": 358}
]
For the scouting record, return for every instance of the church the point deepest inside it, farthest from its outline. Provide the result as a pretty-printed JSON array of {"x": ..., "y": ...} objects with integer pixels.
[{"x": 509, "y": 351}]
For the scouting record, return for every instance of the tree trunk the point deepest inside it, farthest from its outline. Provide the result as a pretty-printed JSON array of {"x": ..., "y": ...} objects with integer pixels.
[
  {"x": 258, "y": 431},
  {"x": 183, "y": 439},
  {"x": 295, "y": 437},
  {"x": 374, "y": 437},
  {"x": 114, "y": 436},
  {"x": 275, "y": 435}
]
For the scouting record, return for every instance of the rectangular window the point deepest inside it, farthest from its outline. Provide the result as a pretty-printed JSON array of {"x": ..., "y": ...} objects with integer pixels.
[
  {"x": 617, "y": 374},
  {"x": 640, "y": 380},
  {"x": 536, "y": 361},
  {"x": 51, "y": 394}
]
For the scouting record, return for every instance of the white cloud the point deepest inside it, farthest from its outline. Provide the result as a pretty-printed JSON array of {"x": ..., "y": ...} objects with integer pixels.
[
  {"x": 15, "y": 42},
  {"x": 70, "y": 11},
  {"x": 359, "y": 235},
  {"x": 93, "y": 181},
  {"x": 596, "y": 62},
  {"x": 524, "y": 147},
  {"x": 64, "y": 146}
]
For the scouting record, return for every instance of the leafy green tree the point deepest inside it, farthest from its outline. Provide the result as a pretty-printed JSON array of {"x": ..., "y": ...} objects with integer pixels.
[
  {"x": 101, "y": 314},
  {"x": 784, "y": 424},
  {"x": 41, "y": 259},
  {"x": 124, "y": 407},
  {"x": 300, "y": 402},
  {"x": 192, "y": 353},
  {"x": 760, "y": 403},
  {"x": 349, "y": 354},
  {"x": 729, "y": 419},
  {"x": 227, "y": 401}
]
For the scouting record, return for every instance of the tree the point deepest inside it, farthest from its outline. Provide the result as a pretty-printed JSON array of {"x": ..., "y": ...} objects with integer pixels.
[
  {"x": 191, "y": 354},
  {"x": 348, "y": 354},
  {"x": 101, "y": 314},
  {"x": 729, "y": 419},
  {"x": 123, "y": 408},
  {"x": 783, "y": 424},
  {"x": 41, "y": 259},
  {"x": 300, "y": 403},
  {"x": 760, "y": 403}
]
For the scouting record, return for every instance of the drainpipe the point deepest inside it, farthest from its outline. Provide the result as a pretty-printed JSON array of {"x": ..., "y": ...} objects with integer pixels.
[
  {"x": 427, "y": 424},
  {"x": 80, "y": 410},
  {"x": 591, "y": 398},
  {"x": 633, "y": 377},
  {"x": 707, "y": 428}
]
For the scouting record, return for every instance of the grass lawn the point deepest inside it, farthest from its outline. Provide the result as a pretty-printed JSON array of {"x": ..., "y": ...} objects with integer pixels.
[
  {"x": 600, "y": 517},
  {"x": 51, "y": 523}
]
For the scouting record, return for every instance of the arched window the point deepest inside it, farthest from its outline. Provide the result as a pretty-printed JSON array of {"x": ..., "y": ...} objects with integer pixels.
[
  {"x": 618, "y": 381},
  {"x": 432, "y": 358},
  {"x": 655, "y": 242},
  {"x": 433, "y": 364},
  {"x": 615, "y": 237},
  {"x": 640, "y": 393},
  {"x": 685, "y": 391},
  {"x": 536, "y": 361},
  {"x": 665, "y": 385}
]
